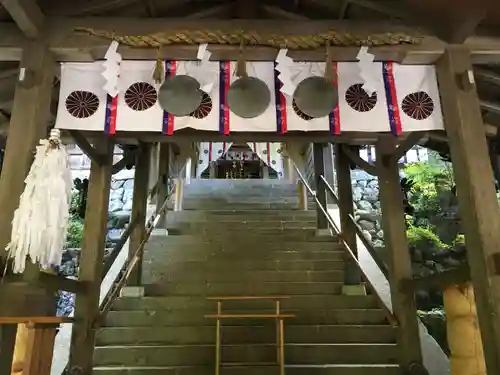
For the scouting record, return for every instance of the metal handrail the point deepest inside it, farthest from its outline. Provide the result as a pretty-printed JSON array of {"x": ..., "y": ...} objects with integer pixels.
[
  {"x": 390, "y": 316},
  {"x": 129, "y": 266}
]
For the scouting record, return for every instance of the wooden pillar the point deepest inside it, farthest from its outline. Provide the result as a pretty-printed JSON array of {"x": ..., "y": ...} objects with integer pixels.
[
  {"x": 28, "y": 124},
  {"x": 91, "y": 261},
  {"x": 399, "y": 263},
  {"x": 154, "y": 164},
  {"x": 346, "y": 207},
  {"x": 319, "y": 170},
  {"x": 139, "y": 207},
  {"x": 475, "y": 190},
  {"x": 39, "y": 349},
  {"x": 163, "y": 176}
]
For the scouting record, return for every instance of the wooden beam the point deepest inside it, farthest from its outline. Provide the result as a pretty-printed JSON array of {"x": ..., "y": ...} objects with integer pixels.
[
  {"x": 163, "y": 179},
  {"x": 398, "y": 259},
  {"x": 139, "y": 207},
  {"x": 128, "y": 158},
  {"x": 86, "y": 147},
  {"x": 69, "y": 46},
  {"x": 476, "y": 193},
  {"x": 487, "y": 76},
  {"x": 352, "y": 274},
  {"x": 440, "y": 281},
  {"x": 92, "y": 7},
  {"x": 319, "y": 170},
  {"x": 359, "y": 161},
  {"x": 210, "y": 12},
  {"x": 27, "y": 15},
  {"x": 405, "y": 145},
  {"x": 465, "y": 26},
  {"x": 281, "y": 13},
  {"x": 29, "y": 114},
  {"x": 91, "y": 261}
]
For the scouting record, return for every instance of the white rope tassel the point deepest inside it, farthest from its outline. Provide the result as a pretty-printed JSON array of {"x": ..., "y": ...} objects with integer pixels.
[{"x": 40, "y": 223}]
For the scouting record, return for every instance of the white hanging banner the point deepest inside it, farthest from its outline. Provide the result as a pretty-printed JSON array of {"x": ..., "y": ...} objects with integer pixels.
[
  {"x": 208, "y": 152},
  {"x": 359, "y": 111},
  {"x": 405, "y": 98},
  {"x": 416, "y": 93},
  {"x": 270, "y": 153},
  {"x": 138, "y": 107},
  {"x": 82, "y": 99}
]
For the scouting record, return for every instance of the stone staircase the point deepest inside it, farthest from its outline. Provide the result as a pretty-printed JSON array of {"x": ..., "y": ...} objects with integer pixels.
[{"x": 244, "y": 237}]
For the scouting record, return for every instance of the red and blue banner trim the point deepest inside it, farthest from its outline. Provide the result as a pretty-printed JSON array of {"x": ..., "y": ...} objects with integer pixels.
[
  {"x": 281, "y": 116},
  {"x": 111, "y": 113},
  {"x": 334, "y": 116},
  {"x": 392, "y": 99},
  {"x": 224, "y": 83},
  {"x": 168, "y": 118}
]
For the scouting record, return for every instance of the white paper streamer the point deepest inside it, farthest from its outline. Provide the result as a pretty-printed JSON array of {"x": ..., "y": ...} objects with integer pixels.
[
  {"x": 284, "y": 63},
  {"x": 112, "y": 69},
  {"x": 368, "y": 70}
]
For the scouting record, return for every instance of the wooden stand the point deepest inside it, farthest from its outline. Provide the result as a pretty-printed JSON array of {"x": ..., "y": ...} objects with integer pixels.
[{"x": 280, "y": 336}]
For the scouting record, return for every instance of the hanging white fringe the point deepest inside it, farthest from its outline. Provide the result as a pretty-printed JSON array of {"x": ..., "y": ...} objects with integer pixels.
[
  {"x": 40, "y": 223},
  {"x": 368, "y": 70},
  {"x": 111, "y": 71}
]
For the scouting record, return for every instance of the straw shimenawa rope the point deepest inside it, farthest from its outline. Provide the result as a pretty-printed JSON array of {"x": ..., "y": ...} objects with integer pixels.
[{"x": 295, "y": 42}]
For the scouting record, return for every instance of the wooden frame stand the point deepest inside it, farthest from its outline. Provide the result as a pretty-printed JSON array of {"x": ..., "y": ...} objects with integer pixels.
[{"x": 280, "y": 327}]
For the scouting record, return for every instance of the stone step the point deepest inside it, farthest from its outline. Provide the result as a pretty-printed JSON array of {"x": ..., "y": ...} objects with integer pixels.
[
  {"x": 232, "y": 215},
  {"x": 209, "y": 204},
  {"x": 254, "y": 370},
  {"x": 215, "y": 225},
  {"x": 259, "y": 288},
  {"x": 145, "y": 318},
  {"x": 193, "y": 253},
  {"x": 244, "y": 276},
  {"x": 198, "y": 355},
  {"x": 198, "y": 303},
  {"x": 249, "y": 244},
  {"x": 262, "y": 235},
  {"x": 255, "y": 334},
  {"x": 150, "y": 265}
]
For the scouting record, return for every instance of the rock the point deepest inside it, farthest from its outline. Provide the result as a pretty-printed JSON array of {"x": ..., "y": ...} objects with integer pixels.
[
  {"x": 378, "y": 244},
  {"x": 116, "y": 195},
  {"x": 365, "y": 206},
  {"x": 357, "y": 193},
  {"x": 368, "y": 215},
  {"x": 371, "y": 194},
  {"x": 129, "y": 185},
  {"x": 124, "y": 174},
  {"x": 128, "y": 205},
  {"x": 380, "y": 233},
  {"x": 115, "y": 206},
  {"x": 116, "y": 184},
  {"x": 114, "y": 235},
  {"x": 122, "y": 215},
  {"x": 367, "y": 235},
  {"x": 367, "y": 225},
  {"x": 373, "y": 184}
]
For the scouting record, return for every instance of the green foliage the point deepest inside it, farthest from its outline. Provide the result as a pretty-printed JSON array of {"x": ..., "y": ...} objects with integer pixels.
[
  {"x": 75, "y": 228},
  {"x": 434, "y": 223},
  {"x": 424, "y": 238}
]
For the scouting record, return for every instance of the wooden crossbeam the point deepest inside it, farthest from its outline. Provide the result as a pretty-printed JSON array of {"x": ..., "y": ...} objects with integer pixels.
[
  {"x": 359, "y": 161},
  {"x": 27, "y": 15},
  {"x": 86, "y": 147},
  {"x": 405, "y": 145},
  {"x": 68, "y": 46}
]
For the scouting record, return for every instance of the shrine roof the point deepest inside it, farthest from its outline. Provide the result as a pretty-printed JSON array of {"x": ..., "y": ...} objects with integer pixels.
[{"x": 407, "y": 31}]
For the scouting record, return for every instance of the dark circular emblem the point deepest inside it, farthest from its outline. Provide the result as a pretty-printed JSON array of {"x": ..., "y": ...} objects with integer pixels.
[
  {"x": 141, "y": 96},
  {"x": 299, "y": 113},
  {"x": 418, "y": 105},
  {"x": 204, "y": 108},
  {"x": 359, "y": 100},
  {"x": 82, "y": 104}
]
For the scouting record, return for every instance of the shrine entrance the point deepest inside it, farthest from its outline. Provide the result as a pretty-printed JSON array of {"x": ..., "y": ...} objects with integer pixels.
[{"x": 241, "y": 161}]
